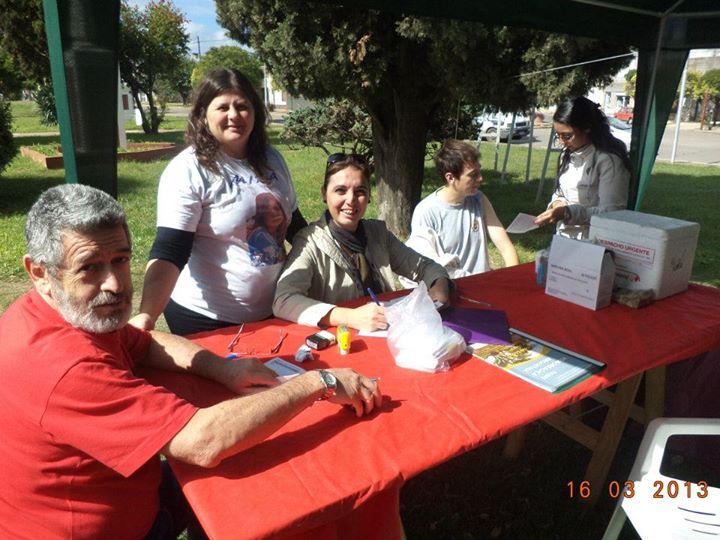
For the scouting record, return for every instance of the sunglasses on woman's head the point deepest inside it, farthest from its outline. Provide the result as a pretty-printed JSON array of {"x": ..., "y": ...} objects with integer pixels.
[
  {"x": 337, "y": 157},
  {"x": 564, "y": 136}
]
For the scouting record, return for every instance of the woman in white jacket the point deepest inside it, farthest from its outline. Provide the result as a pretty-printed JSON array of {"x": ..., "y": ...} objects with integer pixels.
[
  {"x": 340, "y": 256},
  {"x": 593, "y": 170}
]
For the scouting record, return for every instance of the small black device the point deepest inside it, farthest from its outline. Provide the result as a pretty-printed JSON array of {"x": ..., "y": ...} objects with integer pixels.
[{"x": 320, "y": 340}]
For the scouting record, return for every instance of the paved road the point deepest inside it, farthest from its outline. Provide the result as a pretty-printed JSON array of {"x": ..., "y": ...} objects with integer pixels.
[{"x": 694, "y": 146}]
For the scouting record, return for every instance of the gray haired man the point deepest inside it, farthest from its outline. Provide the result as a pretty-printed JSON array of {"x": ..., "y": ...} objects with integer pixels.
[{"x": 81, "y": 430}]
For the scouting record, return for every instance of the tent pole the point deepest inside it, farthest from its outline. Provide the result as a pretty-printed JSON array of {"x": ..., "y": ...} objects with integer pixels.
[{"x": 62, "y": 105}]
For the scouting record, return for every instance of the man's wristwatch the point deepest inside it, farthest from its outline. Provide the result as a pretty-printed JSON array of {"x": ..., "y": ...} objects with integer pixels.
[{"x": 330, "y": 382}]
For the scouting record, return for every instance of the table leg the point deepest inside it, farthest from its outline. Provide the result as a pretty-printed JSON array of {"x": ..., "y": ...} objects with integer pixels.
[
  {"x": 610, "y": 434},
  {"x": 654, "y": 393},
  {"x": 514, "y": 443}
]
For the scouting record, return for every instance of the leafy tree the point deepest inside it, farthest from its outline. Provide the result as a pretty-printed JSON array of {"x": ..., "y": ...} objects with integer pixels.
[
  {"x": 700, "y": 89},
  {"x": 23, "y": 41},
  {"x": 23, "y": 57},
  {"x": 8, "y": 149},
  {"x": 405, "y": 70},
  {"x": 693, "y": 79},
  {"x": 331, "y": 122},
  {"x": 11, "y": 83},
  {"x": 152, "y": 45},
  {"x": 712, "y": 80},
  {"x": 630, "y": 83},
  {"x": 44, "y": 96},
  {"x": 176, "y": 85},
  {"x": 22, "y": 37},
  {"x": 454, "y": 122},
  {"x": 229, "y": 56},
  {"x": 337, "y": 125}
]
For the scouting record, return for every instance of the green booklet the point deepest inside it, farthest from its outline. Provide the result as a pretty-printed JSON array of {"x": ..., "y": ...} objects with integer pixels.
[{"x": 536, "y": 361}]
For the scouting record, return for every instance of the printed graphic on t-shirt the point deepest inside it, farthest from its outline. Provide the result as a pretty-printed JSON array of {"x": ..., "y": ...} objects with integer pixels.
[
  {"x": 240, "y": 180},
  {"x": 266, "y": 231}
]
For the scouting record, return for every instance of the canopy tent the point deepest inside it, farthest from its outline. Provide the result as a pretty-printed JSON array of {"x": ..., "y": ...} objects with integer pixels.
[{"x": 83, "y": 37}]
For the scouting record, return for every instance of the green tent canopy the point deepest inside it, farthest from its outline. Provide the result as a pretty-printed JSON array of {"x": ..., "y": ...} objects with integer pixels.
[{"x": 83, "y": 42}]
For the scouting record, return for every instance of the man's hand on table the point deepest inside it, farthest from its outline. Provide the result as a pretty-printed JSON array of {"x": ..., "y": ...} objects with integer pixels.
[
  {"x": 249, "y": 372},
  {"x": 356, "y": 391}
]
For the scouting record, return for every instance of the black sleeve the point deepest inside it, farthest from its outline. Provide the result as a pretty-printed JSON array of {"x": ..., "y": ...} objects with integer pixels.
[
  {"x": 296, "y": 223},
  {"x": 172, "y": 245}
]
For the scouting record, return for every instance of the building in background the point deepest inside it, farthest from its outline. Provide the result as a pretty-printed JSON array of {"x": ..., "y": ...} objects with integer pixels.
[{"x": 614, "y": 98}]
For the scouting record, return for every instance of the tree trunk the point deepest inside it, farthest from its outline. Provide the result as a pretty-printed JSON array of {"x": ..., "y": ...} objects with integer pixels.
[
  {"x": 399, "y": 153},
  {"x": 136, "y": 98},
  {"x": 705, "y": 101},
  {"x": 154, "y": 122}
]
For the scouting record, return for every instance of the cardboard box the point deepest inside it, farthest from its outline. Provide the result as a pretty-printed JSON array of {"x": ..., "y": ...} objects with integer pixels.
[
  {"x": 580, "y": 272},
  {"x": 651, "y": 252}
]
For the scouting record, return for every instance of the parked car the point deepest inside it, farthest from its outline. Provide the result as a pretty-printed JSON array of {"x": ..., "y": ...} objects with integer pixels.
[
  {"x": 620, "y": 130},
  {"x": 625, "y": 114},
  {"x": 489, "y": 123}
]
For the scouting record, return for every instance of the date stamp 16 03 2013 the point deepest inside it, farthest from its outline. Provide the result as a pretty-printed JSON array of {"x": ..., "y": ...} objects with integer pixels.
[{"x": 661, "y": 489}]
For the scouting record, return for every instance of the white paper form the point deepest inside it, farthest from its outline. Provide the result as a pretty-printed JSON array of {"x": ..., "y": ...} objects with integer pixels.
[{"x": 522, "y": 223}]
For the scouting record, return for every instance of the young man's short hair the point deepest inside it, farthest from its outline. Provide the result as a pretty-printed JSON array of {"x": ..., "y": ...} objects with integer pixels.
[{"x": 452, "y": 157}]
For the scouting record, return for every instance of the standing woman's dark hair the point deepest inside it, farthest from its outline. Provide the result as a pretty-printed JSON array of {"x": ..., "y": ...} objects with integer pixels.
[
  {"x": 586, "y": 115},
  {"x": 594, "y": 171},
  {"x": 198, "y": 135}
]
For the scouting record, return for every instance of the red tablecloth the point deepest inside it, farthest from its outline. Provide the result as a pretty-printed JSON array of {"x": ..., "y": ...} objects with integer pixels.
[{"x": 326, "y": 464}]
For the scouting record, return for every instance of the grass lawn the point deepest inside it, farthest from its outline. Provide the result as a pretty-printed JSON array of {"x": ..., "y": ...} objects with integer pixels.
[
  {"x": 477, "y": 495},
  {"x": 26, "y": 119},
  {"x": 682, "y": 191}
]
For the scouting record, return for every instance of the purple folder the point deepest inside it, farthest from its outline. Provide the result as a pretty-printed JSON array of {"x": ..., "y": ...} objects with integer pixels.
[{"x": 478, "y": 325}]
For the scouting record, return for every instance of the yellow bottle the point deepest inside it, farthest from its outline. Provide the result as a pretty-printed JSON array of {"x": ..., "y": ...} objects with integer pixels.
[{"x": 343, "y": 339}]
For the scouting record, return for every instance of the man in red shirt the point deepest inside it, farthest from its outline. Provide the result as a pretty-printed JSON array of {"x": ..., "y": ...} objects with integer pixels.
[{"x": 81, "y": 431}]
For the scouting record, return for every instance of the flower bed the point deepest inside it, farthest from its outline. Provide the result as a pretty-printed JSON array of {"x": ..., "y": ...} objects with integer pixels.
[{"x": 135, "y": 152}]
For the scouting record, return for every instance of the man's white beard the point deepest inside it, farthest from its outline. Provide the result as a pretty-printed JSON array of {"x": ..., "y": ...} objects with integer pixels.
[{"x": 82, "y": 316}]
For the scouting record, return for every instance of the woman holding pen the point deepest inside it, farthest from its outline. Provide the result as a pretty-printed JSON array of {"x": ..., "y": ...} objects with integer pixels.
[
  {"x": 594, "y": 170},
  {"x": 343, "y": 257}
]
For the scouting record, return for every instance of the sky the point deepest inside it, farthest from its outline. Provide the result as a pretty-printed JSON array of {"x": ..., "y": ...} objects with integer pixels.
[{"x": 201, "y": 23}]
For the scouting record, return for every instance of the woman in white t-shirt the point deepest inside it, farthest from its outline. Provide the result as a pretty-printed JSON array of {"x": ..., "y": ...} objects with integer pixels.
[
  {"x": 226, "y": 204},
  {"x": 593, "y": 170}
]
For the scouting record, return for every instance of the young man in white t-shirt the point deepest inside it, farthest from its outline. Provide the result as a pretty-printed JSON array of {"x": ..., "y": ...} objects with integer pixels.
[{"x": 452, "y": 224}]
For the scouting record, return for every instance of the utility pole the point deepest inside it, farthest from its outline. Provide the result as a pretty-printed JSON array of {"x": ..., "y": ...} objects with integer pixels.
[
  {"x": 678, "y": 114},
  {"x": 198, "y": 46},
  {"x": 266, "y": 90}
]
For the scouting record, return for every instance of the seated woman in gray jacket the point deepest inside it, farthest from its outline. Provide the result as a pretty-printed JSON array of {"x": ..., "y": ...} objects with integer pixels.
[{"x": 340, "y": 256}]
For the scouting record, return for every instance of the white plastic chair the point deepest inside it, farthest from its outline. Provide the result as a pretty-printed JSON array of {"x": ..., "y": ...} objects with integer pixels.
[{"x": 674, "y": 515}]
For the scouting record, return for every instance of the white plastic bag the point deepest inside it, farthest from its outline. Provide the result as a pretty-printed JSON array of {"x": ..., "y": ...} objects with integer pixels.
[{"x": 416, "y": 336}]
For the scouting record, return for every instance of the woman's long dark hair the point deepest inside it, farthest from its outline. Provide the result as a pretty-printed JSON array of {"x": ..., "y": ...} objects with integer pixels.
[
  {"x": 585, "y": 115},
  {"x": 198, "y": 135}
]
